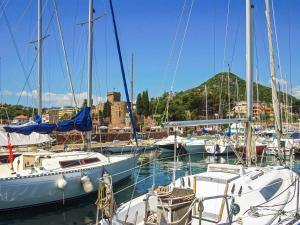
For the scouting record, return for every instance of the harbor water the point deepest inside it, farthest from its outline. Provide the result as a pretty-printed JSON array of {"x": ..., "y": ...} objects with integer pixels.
[{"x": 155, "y": 169}]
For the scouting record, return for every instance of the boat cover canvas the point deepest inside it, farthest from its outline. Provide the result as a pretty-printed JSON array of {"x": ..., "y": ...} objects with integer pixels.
[
  {"x": 81, "y": 122},
  {"x": 24, "y": 140}
]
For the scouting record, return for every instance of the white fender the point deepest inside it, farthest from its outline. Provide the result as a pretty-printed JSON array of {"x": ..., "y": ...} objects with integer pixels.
[
  {"x": 61, "y": 183},
  {"x": 86, "y": 184}
]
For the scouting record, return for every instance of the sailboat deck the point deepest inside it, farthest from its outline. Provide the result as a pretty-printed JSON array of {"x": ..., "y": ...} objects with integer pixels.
[{"x": 49, "y": 163}]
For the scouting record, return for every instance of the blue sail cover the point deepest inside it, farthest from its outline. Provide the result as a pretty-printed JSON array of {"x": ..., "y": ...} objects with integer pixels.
[
  {"x": 38, "y": 119},
  {"x": 81, "y": 122}
]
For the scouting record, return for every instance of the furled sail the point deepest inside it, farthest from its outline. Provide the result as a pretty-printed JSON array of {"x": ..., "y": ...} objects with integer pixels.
[{"x": 81, "y": 122}]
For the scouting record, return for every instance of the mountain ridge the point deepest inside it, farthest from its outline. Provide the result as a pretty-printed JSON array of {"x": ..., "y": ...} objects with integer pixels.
[{"x": 190, "y": 103}]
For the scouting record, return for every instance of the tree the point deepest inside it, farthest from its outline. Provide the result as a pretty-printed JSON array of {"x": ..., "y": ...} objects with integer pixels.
[
  {"x": 145, "y": 103},
  {"x": 65, "y": 116},
  {"x": 139, "y": 106},
  {"x": 106, "y": 109},
  {"x": 84, "y": 103}
]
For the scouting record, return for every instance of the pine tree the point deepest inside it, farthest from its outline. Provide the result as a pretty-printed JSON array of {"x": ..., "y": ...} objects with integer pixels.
[
  {"x": 139, "y": 105},
  {"x": 145, "y": 100}
]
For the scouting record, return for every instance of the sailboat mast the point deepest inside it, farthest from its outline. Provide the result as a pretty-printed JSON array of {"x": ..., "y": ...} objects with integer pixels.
[
  {"x": 40, "y": 57},
  {"x": 90, "y": 65},
  {"x": 132, "y": 73},
  {"x": 249, "y": 77},
  {"x": 278, "y": 126},
  {"x": 286, "y": 106},
  {"x": 257, "y": 93},
  {"x": 123, "y": 73},
  {"x": 228, "y": 89},
  {"x": 237, "y": 94},
  {"x": 206, "y": 113}
]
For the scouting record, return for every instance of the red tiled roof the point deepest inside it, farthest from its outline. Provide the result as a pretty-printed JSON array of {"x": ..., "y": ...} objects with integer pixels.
[{"x": 21, "y": 117}]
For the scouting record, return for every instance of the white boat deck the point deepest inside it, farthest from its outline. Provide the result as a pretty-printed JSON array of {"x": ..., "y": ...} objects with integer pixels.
[{"x": 49, "y": 162}]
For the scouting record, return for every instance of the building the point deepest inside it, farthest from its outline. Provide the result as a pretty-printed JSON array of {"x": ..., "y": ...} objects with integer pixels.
[
  {"x": 262, "y": 110},
  {"x": 20, "y": 120},
  {"x": 118, "y": 114},
  {"x": 54, "y": 115},
  {"x": 113, "y": 96},
  {"x": 45, "y": 118},
  {"x": 240, "y": 109},
  {"x": 118, "y": 111}
]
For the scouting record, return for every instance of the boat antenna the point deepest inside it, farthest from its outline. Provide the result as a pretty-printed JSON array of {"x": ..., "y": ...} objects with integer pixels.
[{"x": 123, "y": 73}]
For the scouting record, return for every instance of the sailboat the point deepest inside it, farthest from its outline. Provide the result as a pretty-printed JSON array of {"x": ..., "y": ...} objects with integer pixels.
[
  {"x": 39, "y": 178},
  {"x": 224, "y": 194}
]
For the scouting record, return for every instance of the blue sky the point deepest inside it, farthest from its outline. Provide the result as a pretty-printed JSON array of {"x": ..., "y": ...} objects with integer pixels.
[{"x": 147, "y": 28}]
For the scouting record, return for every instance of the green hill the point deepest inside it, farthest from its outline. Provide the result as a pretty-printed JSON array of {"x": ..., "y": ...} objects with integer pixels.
[{"x": 190, "y": 104}]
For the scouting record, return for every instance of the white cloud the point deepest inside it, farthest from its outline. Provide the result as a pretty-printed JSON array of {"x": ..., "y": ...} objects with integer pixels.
[
  {"x": 296, "y": 92},
  {"x": 280, "y": 81},
  {"x": 60, "y": 99},
  {"x": 6, "y": 93}
]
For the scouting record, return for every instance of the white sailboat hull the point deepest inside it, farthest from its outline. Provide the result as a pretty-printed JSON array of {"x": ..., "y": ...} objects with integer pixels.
[
  {"x": 43, "y": 189},
  {"x": 130, "y": 148},
  {"x": 196, "y": 146},
  {"x": 221, "y": 150}
]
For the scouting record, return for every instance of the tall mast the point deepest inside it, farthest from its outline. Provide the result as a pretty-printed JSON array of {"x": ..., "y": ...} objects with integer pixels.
[
  {"x": 131, "y": 83},
  {"x": 90, "y": 66},
  {"x": 40, "y": 57},
  {"x": 257, "y": 93},
  {"x": 123, "y": 72},
  {"x": 286, "y": 106},
  {"x": 237, "y": 94},
  {"x": 206, "y": 113},
  {"x": 278, "y": 125},
  {"x": 249, "y": 84},
  {"x": 228, "y": 88}
]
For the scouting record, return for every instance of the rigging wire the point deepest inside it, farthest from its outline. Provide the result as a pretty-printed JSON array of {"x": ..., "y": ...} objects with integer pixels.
[
  {"x": 65, "y": 56},
  {"x": 61, "y": 67},
  {"x": 224, "y": 59},
  {"x": 74, "y": 32},
  {"x": 237, "y": 32},
  {"x": 290, "y": 59},
  {"x": 24, "y": 13},
  {"x": 180, "y": 52},
  {"x": 3, "y": 6},
  {"x": 106, "y": 46},
  {"x": 257, "y": 69},
  {"x": 214, "y": 42},
  {"x": 16, "y": 47},
  {"x": 171, "y": 53},
  {"x": 33, "y": 64},
  {"x": 96, "y": 78},
  {"x": 84, "y": 63},
  {"x": 19, "y": 55},
  {"x": 278, "y": 56}
]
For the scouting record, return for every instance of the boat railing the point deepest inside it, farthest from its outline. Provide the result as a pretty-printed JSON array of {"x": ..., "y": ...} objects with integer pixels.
[{"x": 209, "y": 217}]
